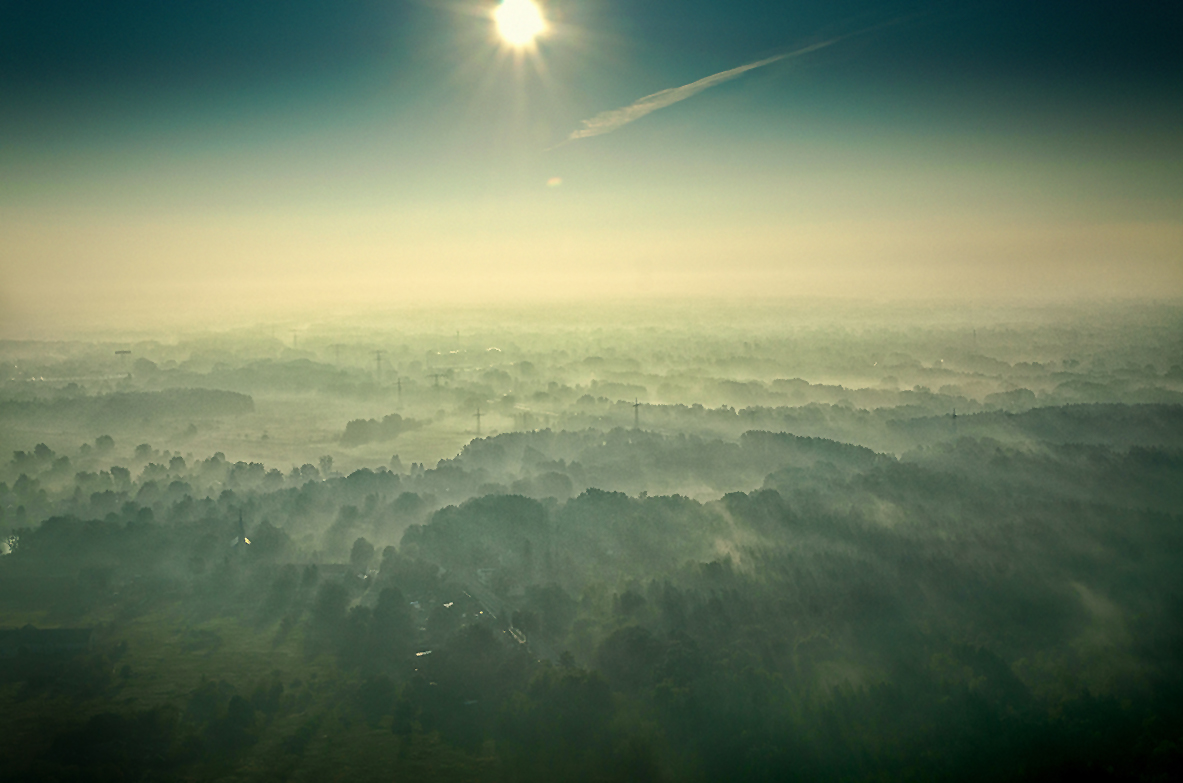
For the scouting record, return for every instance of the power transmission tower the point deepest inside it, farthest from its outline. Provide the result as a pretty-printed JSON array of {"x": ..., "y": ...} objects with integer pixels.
[
  {"x": 378, "y": 362},
  {"x": 400, "y": 391},
  {"x": 478, "y": 422},
  {"x": 436, "y": 375},
  {"x": 636, "y": 414}
]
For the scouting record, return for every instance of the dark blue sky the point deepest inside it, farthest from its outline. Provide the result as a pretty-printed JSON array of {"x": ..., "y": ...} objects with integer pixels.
[{"x": 53, "y": 50}]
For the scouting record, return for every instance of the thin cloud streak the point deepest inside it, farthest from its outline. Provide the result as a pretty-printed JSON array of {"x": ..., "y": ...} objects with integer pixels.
[{"x": 613, "y": 119}]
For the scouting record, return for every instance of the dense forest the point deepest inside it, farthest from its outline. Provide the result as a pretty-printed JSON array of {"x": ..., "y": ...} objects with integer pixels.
[{"x": 856, "y": 545}]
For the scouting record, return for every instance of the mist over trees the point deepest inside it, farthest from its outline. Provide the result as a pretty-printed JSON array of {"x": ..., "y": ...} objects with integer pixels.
[
  {"x": 362, "y": 431},
  {"x": 819, "y": 545}
]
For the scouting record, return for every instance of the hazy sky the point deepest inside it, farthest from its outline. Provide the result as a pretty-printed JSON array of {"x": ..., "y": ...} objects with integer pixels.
[{"x": 165, "y": 156}]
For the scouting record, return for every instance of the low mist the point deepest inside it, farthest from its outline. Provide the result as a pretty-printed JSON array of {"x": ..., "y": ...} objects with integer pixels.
[{"x": 816, "y": 540}]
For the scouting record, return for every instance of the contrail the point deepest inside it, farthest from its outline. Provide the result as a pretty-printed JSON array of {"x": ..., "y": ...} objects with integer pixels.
[
  {"x": 613, "y": 119},
  {"x": 608, "y": 121}
]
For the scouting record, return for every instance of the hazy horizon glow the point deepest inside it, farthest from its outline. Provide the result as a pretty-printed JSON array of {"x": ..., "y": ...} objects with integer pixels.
[{"x": 991, "y": 153}]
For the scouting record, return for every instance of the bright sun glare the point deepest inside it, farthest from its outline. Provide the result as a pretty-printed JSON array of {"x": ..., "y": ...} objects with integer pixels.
[{"x": 519, "y": 21}]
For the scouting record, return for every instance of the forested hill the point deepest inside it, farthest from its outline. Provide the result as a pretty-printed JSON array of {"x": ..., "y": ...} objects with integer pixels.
[
  {"x": 743, "y": 551},
  {"x": 1111, "y": 424},
  {"x": 975, "y": 610},
  {"x": 119, "y": 408},
  {"x": 636, "y": 461}
]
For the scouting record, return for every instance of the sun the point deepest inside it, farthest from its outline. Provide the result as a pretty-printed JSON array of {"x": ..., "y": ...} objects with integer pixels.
[{"x": 519, "y": 21}]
